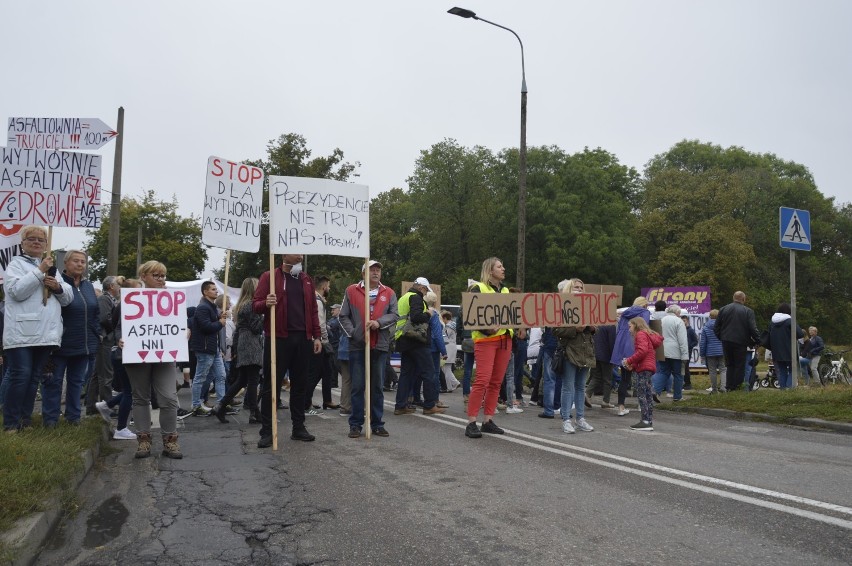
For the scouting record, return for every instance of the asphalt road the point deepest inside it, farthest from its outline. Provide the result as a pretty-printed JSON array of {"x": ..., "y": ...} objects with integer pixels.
[{"x": 698, "y": 490}]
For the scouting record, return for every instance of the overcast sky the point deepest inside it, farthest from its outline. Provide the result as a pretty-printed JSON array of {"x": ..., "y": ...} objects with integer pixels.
[{"x": 383, "y": 80}]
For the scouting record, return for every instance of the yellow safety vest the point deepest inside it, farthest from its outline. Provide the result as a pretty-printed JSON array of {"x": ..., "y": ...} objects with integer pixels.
[{"x": 476, "y": 334}]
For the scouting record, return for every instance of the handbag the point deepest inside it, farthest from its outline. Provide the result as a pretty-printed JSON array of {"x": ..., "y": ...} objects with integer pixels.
[
  {"x": 416, "y": 332},
  {"x": 558, "y": 360}
]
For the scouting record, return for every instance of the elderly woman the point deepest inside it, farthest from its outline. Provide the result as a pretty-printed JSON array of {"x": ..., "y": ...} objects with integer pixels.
[
  {"x": 33, "y": 323},
  {"x": 74, "y": 361},
  {"x": 162, "y": 376}
]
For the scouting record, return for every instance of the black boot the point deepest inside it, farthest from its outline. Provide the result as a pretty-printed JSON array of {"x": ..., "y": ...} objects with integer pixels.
[
  {"x": 219, "y": 411},
  {"x": 254, "y": 417}
]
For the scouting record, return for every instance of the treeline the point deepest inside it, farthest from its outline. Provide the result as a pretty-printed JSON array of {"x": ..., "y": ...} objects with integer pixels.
[{"x": 698, "y": 214}]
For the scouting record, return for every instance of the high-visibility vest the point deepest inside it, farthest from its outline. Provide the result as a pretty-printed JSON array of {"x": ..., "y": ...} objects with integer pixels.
[
  {"x": 403, "y": 307},
  {"x": 476, "y": 334}
]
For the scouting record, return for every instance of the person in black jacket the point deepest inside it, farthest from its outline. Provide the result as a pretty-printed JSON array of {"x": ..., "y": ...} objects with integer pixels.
[
  {"x": 780, "y": 338},
  {"x": 206, "y": 324},
  {"x": 737, "y": 329}
]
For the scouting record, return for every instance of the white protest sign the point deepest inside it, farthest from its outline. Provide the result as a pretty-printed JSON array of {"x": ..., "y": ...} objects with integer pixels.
[
  {"x": 58, "y": 133},
  {"x": 10, "y": 245},
  {"x": 318, "y": 216},
  {"x": 53, "y": 188},
  {"x": 233, "y": 205},
  {"x": 153, "y": 326}
]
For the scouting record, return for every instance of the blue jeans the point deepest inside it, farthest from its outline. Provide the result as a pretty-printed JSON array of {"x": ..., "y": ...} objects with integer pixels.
[
  {"x": 669, "y": 367},
  {"x": 520, "y": 370},
  {"x": 662, "y": 380},
  {"x": 416, "y": 365},
  {"x": 573, "y": 390},
  {"x": 25, "y": 365},
  {"x": 74, "y": 369},
  {"x": 552, "y": 385},
  {"x": 120, "y": 381},
  {"x": 468, "y": 371},
  {"x": 208, "y": 363},
  {"x": 785, "y": 374},
  {"x": 378, "y": 361}
]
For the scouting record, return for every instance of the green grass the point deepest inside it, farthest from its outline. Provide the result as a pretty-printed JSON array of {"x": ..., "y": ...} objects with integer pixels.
[
  {"x": 831, "y": 403},
  {"x": 37, "y": 463}
]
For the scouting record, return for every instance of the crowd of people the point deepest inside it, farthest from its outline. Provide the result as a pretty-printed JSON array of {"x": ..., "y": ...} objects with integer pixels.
[{"x": 62, "y": 334}]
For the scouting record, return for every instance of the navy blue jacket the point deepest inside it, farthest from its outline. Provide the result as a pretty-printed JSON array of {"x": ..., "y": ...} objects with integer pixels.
[
  {"x": 81, "y": 323},
  {"x": 205, "y": 329}
]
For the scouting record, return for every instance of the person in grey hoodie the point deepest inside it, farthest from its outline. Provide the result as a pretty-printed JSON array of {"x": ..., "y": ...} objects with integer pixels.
[
  {"x": 675, "y": 347},
  {"x": 780, "y": 330}
]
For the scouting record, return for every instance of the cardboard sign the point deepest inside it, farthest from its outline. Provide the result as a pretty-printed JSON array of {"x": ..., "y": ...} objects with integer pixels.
[
  {"x": 153, "y": 326},
  {"x": 233, "y": 205},
  {"x": 406, "y": 285},
  {"x": 318, "y": 216},
  {"x": 58, "y": 133},
  {"x": 531, "y": 310},
  {"x": 53, "y": 188}
]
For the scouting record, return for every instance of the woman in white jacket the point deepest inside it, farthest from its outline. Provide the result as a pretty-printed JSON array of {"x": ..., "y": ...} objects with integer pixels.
[{"x": 33, "y": 323}]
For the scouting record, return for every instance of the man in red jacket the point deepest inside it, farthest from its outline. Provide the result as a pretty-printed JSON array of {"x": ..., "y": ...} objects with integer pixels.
[{"x": 297, "y": 335}]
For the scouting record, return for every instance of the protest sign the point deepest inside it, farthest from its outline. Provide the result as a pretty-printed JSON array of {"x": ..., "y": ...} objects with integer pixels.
[
  {"x": 318, "y": 216},
  {"x": 530, "y": 310},
  {"x": 233, "y": 200},
  {"x": 58, "y": 133},
  {"x": 153, "y": 326},
  {"x": 406, "y": 285},
  {"x": 695, "y": 300},
  {"x": 53, "y": 188},
  {"x": 10, "y": 245}
]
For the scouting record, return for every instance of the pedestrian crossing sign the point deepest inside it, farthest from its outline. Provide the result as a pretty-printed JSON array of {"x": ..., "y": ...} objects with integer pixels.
[{"x": 795, "y": 229}]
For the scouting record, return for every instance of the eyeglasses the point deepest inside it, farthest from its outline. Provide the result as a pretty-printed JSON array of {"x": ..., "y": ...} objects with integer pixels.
[
  {"x": 34, "y": 240},
  {"x": 158, "y": 275}
]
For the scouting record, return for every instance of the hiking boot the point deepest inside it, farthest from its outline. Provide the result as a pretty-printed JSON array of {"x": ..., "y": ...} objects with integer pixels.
[
  {"x": 354, "y": 431},
  {"x": 170, "y": 447},
  {"x": 144, "y": 448},
  {"x": 405, "y": 411},
  {"x": 303, "y": 435},
  {"x": 219, "y": 412},
  {"x": 491, "y": 428},
  {"x": 472, "y": 431}
]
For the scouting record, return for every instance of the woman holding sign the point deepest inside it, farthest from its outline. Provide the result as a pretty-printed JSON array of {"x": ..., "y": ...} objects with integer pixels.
[
  {"x": 162, "y": 376},
  {"x": 33, "y": 323},
  {"x": 492, "y": 350}
]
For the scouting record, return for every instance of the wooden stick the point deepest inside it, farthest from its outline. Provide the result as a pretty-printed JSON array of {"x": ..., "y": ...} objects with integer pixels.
[
  {"x": 273, "y": 377},
  {"x": 367, "y": 347}
]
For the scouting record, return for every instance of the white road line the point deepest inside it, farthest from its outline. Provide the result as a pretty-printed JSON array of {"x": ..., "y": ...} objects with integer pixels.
[{"x": 572, "y": 452}]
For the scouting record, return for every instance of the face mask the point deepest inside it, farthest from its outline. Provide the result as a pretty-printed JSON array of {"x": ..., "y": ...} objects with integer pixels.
[{"x": 296, "y": 269}]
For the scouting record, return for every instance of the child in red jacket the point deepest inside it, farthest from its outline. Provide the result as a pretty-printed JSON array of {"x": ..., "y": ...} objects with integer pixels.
[{"x": 643, "y": 363}]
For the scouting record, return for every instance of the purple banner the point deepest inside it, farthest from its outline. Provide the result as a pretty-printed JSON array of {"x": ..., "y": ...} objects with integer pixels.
[{"x": 696, "y": 300}]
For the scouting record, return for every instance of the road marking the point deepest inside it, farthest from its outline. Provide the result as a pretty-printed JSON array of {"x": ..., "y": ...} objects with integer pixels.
[{"x": 585, "y": 455}]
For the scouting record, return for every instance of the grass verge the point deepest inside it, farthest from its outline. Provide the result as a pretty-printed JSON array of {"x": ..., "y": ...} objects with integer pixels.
[
  {"x": 36, "y": 464},
  {"x": 831, "y": 403}
]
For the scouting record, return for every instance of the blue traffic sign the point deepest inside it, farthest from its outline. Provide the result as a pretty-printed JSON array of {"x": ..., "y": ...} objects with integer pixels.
[{"x": 795, "y": 229}]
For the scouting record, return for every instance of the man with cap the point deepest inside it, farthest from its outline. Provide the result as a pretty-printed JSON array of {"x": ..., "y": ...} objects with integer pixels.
[
  {"x": 416, "y": 355},
  {"x": 382, "y": 317}
]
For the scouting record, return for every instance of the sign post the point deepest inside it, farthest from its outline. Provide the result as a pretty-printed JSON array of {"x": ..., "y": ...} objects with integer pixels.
[{"x": 794, "y": 234}]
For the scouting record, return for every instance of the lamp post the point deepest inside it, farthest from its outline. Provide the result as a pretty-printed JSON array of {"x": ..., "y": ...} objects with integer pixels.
[{"x": 522, "y": 159}]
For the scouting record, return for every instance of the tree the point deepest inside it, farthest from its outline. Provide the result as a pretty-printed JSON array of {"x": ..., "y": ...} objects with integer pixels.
[
  {"x": 289, "y": 156},
  {"x": 709, "y": 215},
  {"x": 166, "y": 237}
]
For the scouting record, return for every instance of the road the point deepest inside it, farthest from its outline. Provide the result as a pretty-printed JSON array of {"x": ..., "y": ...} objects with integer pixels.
[{"x": 698, "y": 490}]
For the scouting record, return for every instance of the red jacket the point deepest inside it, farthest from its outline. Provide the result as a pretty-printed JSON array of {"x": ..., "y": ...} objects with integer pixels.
[
  {"x": 644, "y": 357},
  {"x": 258, "y": 304}
]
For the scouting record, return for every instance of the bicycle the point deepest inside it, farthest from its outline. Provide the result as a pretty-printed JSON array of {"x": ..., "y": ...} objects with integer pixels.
[{"x": 835, "y": 370}]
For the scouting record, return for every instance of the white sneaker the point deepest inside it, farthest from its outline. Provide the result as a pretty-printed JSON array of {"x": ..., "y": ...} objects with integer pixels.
[
  {"x": 584, "y": 426},
  {"x": 124, "y": 434},
  {"x": 513, "y": 410},
  {"x": 105, "y": 411},
  {"x": 670, "y": 395},
  {"x": 622, "y": 412},
  {"x": 709, "y": 389},
  {"x": 567, "y": 427}
]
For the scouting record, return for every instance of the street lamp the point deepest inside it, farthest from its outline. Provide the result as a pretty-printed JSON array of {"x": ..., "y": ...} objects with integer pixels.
[{"x": 522, "y": 160}]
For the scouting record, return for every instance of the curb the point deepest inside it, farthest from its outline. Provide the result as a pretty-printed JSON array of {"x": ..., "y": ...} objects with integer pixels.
[
  {"x": 845, "y": 428},
  {"x": 29, "y": 534}
]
